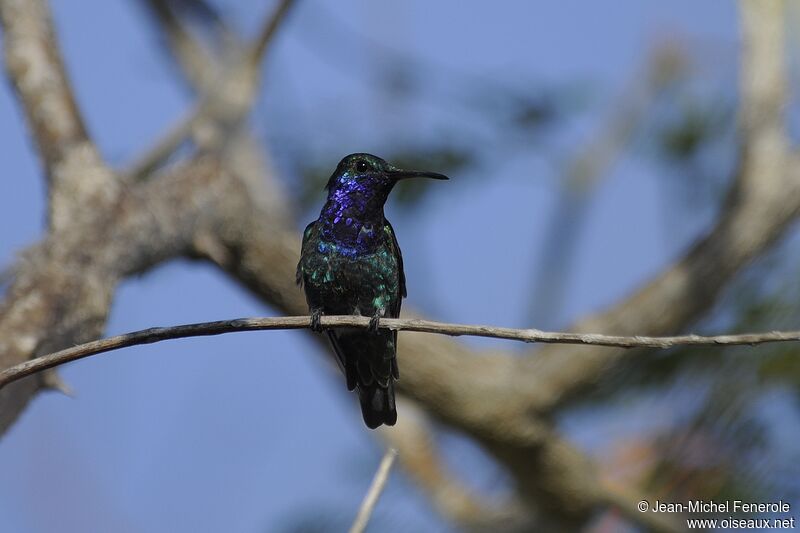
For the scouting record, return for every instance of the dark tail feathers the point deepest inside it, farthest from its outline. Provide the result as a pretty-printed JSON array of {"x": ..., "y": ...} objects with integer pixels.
[{"x": 377, "y": 404}]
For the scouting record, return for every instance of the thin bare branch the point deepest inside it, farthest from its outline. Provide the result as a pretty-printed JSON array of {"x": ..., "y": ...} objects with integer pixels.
[
  {"x": 374, "y": 492},
  {"x": 269, "y": 29},
  {"x": 196, "y": 61},
  {"x": 422, "y": 460},
  {"x": 220, "y": 327},
  {"x": 167, "y": 145}
]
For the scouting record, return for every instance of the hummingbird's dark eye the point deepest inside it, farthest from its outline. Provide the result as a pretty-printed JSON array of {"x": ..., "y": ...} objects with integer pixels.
[{"x": 362, "y": 166}]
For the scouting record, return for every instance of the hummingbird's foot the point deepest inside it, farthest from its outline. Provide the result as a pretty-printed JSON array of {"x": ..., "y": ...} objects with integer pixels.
[
  {"x": 316, "y": 320},
  {"x": 375, "y": 321}
]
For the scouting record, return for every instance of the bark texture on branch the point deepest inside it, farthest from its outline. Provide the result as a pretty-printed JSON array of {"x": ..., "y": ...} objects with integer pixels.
[
  {"x": 77, "y": 176},
  {"x": 64, "y": 287}
]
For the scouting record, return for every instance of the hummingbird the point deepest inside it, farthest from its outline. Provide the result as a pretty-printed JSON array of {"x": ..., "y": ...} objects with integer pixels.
[{"x": 351, "y": 264}]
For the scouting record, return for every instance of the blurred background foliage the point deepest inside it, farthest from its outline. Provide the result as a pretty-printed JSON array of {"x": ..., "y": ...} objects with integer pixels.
[
  {"x": 688, "y": 423},
  {"x": 675, "y": 114},
  {"x": 679, "y": 118}
]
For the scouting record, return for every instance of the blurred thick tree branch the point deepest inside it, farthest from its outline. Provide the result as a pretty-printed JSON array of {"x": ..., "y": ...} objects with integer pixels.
[
  {"x": 225, "y": 99},
  {"x": 224, "y": 206}
]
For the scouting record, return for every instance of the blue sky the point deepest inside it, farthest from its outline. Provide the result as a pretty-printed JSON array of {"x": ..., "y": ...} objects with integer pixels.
[{"x": 249, "y": 432}]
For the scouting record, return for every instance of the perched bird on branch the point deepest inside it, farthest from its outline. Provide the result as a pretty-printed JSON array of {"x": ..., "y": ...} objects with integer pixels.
[{"x": 350, "y": 264}]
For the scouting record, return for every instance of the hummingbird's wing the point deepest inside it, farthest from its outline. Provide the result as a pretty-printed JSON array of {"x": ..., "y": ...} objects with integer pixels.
[
  {"x": 399, "y": 255},
  {"x": 394, "y": 309},
  {"x": 298, "y": 277},
  {"x": 349, "y": 370},
  {"x": 337, "y": 348}
]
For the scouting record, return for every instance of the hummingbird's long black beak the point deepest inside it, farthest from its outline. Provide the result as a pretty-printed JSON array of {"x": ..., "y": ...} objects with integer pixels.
[{"x": 399, "y": 174}]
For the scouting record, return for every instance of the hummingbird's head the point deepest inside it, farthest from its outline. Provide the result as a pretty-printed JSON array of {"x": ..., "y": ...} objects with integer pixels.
[{"x": 364, "y": 181}]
